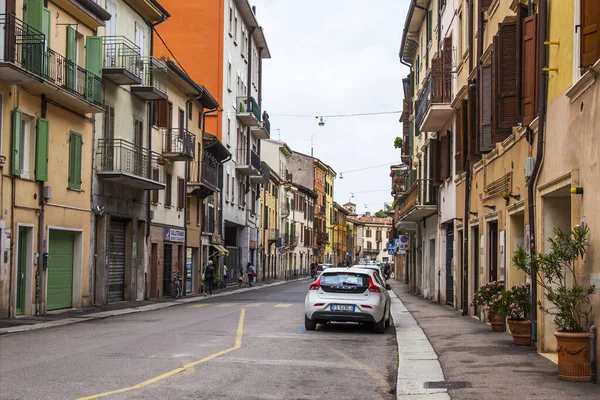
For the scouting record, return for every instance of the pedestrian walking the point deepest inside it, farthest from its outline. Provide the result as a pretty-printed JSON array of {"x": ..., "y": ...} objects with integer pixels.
[
  {"x": 250, "y": 272},
  {"x": 240, "y": 277},
  {"x": 387, "y": 270},
  {"x": 225, "y": 274},
  {"x": 209, "y": 277},
  {"x": 313, "y": 271}
]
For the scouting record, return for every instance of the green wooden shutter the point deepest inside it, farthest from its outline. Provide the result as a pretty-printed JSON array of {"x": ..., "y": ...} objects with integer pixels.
[
  {"x": 17, "y": 130},
  {"x": 71, "y": 62},
  {"x": 75, "y": 145},
  {"x": 46, "y": 24},
  {"x": 93, "y": 54},
  {"x": 41, "y": 150},
  {"x": 32, "y": 14}
]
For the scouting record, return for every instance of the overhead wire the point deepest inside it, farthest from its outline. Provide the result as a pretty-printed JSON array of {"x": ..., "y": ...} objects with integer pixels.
[
  {"x": 336, "y": 115},
  {"x": 365, "y": 168}
]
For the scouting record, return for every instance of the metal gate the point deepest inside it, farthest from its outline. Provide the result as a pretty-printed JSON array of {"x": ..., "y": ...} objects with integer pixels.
[
  {"x": 449, "y": 266},
  {"x": 167, "y": 268},
  {"x": 116, "y": 261},
  {"x": 232, "y": 261}
]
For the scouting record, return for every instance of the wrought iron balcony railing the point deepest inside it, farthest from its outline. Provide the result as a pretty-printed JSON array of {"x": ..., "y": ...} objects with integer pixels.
[
  {"x": 435, "y": 91},
  {"x": 154, "y": 73},
  {"x": 249, "y": 105},
  {"x": 178, "y": 144},
  {"x": 118, "y": 155},
  {"x": 22, "y": 44},
  {"x": 122, "y": 53}
]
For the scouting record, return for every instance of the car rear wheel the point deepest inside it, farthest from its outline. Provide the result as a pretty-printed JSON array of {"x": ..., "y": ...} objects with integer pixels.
[
  {"x": 309, "y": 324},
  {"x": 380, "y": 326},
  {"x": 389, "y": 319}
]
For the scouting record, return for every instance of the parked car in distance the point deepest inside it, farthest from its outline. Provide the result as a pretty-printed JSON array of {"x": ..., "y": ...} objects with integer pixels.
[
  {"x": 348, "y": 295},
  {"x": 378, "y": 270},
  {"x": 321, "y": 268}
]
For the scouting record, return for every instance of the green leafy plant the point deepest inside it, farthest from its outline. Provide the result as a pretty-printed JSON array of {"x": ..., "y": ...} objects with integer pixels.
[
  {"x": 489, "y": 295},
  {"x": 398, "y": 142},
  {"x": 517, "y": 304},
  {"x": 556, "y": 274}
]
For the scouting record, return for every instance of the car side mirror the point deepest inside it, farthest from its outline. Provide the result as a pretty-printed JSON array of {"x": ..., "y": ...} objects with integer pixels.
[{"x": 388, "y": 287}]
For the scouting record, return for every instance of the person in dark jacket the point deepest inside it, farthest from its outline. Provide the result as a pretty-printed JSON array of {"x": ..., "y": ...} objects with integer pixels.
[
  {"x": 250, "y": 272},
  {"x": 209, "y": 277}
]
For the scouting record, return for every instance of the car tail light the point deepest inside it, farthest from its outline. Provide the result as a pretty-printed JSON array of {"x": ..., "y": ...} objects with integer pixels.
[
  {"x": 373, "y": 287},
  {"x": 316, "y": 284},
  {"x": 319, "y": 304},
  {"x": 364, "y": 306}
]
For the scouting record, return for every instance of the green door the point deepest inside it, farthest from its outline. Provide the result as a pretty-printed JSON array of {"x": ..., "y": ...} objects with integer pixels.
[
  {"x": 60, "y": 270},
  {"x": 22, "y": 271}
]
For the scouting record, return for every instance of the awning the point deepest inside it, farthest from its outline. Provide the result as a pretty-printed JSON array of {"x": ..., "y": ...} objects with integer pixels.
[{"x": 222, "y": 250}]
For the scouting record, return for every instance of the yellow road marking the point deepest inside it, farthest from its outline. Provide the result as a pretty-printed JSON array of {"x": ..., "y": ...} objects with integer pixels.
[
  {"x": 225, "y": 305},
  {"x": 197, "y": 306},
  {"x": 283, "y": 305},
  {"x": 383, "y": 384},
  {"x": 238, "y": 344},
  {"x": 254, "y": 304}
]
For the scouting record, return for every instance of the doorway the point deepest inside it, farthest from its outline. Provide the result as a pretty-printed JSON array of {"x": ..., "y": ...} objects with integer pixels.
[
  {"x": 492, "y": 257},
  {"x": 154, "y": 271},
  {"x": 450, "y": 264},
  {"x": 22, "y": 262},
  {"x": 475, "y": 245},
  {"x": 430, "y": 294},
  {"x": 167, "y": 267}
]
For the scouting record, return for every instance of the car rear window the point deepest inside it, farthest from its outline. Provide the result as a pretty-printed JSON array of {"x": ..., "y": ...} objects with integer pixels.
[
  {"x": 345, "y": 279},
  {"x": 322, "y": 267}
]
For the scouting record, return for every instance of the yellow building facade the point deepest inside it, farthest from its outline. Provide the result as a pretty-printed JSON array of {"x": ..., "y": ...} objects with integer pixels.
[{"x": 329, "y": 209}]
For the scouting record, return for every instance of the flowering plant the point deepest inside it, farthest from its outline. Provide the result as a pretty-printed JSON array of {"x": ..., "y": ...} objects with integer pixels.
[
  {"x": 517, "y": 303},
  {"x": 489, "y": 295}
]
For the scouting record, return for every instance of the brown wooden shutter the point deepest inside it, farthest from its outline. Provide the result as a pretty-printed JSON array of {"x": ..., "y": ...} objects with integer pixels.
[
  {"x": 435, "y": 164},
  {"x": 521, "y": 15},
  {"x": 162, "y": 113},
  {"x": 155, "y": 177},
  {"x": 590, "y": 32},
  {"x": 485, "y": 4},
  {"x": 507, "y": 81},
  {"x": 472, "y": 124},
  {"x": 530, "y": 69},
  {"x": 447, "y": 68},
  {"x": 437, "y": 82},
  {"x": 444, "y": 157},
  {"x": 485, "y": 122}
]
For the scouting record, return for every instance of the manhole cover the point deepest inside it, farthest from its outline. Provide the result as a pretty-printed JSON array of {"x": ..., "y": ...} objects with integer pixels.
[{"x": 447, "y": 385}]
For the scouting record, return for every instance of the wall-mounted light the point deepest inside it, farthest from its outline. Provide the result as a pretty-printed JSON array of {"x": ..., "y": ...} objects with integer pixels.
[{"x": 493, "y": 208}]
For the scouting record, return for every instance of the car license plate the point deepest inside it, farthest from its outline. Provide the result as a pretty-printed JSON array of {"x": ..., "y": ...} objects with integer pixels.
[{"x": 341, "y": 307}]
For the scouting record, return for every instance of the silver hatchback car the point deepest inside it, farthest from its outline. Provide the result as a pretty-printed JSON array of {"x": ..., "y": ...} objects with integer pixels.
[{"x": 348, "y": 295}]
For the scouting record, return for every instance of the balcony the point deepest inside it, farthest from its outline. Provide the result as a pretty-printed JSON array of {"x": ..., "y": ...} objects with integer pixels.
[
  {"x": 262, "y": 131},
  {"x": 122, "y": 61},
  {"x": 24, "y": 59},
  {"x": 123, "y": 162},
  {"x": 433, "y": 107},
  {"x": 419, "y": 201},
  {"x": 264, "y": 176},
  {"x": 320, "y": 210},
  {"x": 322, "y": 238},
  {"x": 204, "y": 176},
  {"x": 178, "y": 144},
  {"x": 273, "y": 235},
  {"x": 154, "y": 80},
  {"x": 285, "y": 208},
  {"x": 248, "y": 111},
  {"x": 248, "y": 162}
]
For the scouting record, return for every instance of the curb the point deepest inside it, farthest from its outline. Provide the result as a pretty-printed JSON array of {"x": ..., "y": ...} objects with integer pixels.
[
  {"x": 132, "y": 310},
  {"x": 417, "y": 361}
]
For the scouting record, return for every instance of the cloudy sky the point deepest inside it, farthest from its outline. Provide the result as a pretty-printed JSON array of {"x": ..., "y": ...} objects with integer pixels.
[{"x": 332, "y": 57}]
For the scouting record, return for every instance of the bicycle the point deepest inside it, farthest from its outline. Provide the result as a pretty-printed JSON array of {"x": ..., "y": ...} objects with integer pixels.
[{"x": 176, "y": 288}]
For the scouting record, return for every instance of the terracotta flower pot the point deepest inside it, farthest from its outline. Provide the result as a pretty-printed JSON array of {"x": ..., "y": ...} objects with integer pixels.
[
  {"x": 497, "y": 323},
  {"x": 573, "y": 356},
  {"x": 521, "y": 332}
]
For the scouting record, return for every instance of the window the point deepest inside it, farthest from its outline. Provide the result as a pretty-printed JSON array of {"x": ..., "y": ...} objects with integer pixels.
[
  {"x": 229, "y": 77},
  {"x": 227, "y": 189},
  {"x": 199, "y": 119},
  {"x": 155, "y": 177},
  {"x": 369, "y": 245},
  {"x": 368, "y": 233},
  {"x": 230, "y": 20},
  {"x": 241, "y": 202},
  {"x": 190, "y": 110},
  {"x": 75, "y": 147},
  {"x": 429, "y": 26},
  {"x": 198, "y": 210},
  {"x": 168, "y": 190},
  {"x": 235, "y": 30},
  {"x": 253, "y": 202},
  {"x": 232, "y": 190},
  {"x": 161, "y": 113},
  {"x": 229, "y": 132},
  {"x": 140, "y": 38},
  {"x": 24, "y": 140},
  {"x": 180, "y": 194},
  {"x": 459, "y": 39}
]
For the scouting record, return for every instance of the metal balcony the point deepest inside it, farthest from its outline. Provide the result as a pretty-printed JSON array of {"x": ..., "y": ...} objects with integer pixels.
[
  {"x": 154, "y": 80},
  {"x": 26, "y": 60},
  {"x": 123, "y": 162},
  {"x": 273, "y": 235},
  {"x": 262, "y": 131},
  {"x": 204, "y": 176},
  {"x": 285, "y": 208},
  {"x": 122, "y": 61},
  {"x": 248, "y": 111},
  {"x": 433, "y": 109},
  {"x": 419, "y": 201},
  {"x": 248, "y": 162},
  {"x": 178, "y": 144}
]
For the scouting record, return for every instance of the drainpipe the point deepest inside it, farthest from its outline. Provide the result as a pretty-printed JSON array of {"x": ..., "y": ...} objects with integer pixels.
[
  {"x": 185, "y": 201},
  {"x": 594, "y": 370},
  {"x": 467, "y": 165},
  {"x": 41, "y": 254},
  {"x": 543, "y": 18}
]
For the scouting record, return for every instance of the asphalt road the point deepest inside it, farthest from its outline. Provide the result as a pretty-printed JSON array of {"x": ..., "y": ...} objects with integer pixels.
[{"x": 250, "y": 345}]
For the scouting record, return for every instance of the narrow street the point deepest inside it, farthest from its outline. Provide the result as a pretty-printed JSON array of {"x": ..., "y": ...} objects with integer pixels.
[{"x": 249, "y": 345}]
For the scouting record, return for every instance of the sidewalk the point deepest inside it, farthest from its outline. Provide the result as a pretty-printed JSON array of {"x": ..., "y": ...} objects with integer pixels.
[
  {"x": 488, "y": 362},
  {"x": 70, "y": 316}
]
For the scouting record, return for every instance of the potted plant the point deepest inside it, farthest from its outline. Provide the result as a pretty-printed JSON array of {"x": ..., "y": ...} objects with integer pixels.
[
  {"x": 161, "y": 161},
  {"x": 516, "y": 307},
  {"x": 489, "y": 295},
  {"x": 398, "y": 142},
  {"x": 571, "y": 307}
]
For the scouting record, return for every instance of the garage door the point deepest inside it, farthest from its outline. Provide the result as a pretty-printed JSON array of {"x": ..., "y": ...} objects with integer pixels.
[
  {"x": 116, "y": 261},
  {"x": 60, "y": 270}
]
